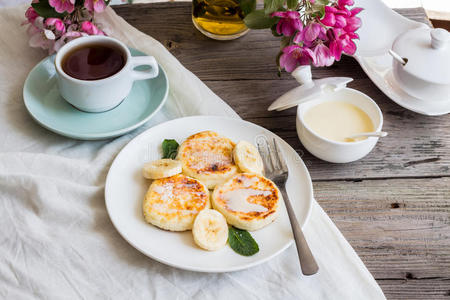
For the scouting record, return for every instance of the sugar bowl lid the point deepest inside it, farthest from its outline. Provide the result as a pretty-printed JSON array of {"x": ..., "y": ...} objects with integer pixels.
[
  {"x": 309, "y": 89},
  {"x": 426, "y": 52}
]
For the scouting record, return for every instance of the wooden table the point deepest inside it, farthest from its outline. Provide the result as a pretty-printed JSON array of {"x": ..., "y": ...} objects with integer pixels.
[{"x": 393, "y": 206}]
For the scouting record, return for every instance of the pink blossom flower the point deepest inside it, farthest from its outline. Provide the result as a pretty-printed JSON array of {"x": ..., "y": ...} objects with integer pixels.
[
  {"x": 310, "y": 34},
  {"x": 31, "y": 15},
  {"x": 62, "y": 5},
  {"x": 56, "y": 24},
  {"x": 40, "y": 37},
  {"x": 95, "y": 5},
  {"x": 295, "y": 55},
  {"x": 90, "y": 28},
  {"x": 322, "y": 56},
  {"x": 289, "y": 22}
]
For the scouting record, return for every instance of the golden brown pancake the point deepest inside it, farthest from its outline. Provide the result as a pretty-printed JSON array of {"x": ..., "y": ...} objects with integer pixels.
[
  {"x": 208, "y": 157},
  {"x": 248, "y": 201},
  {"x": 172, "y": 203}
]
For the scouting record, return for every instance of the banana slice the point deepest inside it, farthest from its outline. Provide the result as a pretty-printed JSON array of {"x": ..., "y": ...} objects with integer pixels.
[
  {"x": 210, "y": 230},
  {"x": 247, "y": 158},
  {"x": 161, "y": 168}
]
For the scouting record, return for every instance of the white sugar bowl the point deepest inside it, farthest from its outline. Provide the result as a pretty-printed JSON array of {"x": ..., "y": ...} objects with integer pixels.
[
  {"x": 421, "y": 64},
  {"x": 313, "y": 93}
]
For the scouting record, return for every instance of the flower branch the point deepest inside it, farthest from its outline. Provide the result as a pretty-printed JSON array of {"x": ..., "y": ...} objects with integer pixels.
[{"x": 313, "y": 32}]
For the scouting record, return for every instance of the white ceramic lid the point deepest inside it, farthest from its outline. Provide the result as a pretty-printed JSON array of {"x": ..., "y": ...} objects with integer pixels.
[
  {"x": 308, "y": 90},
  {"x": 428, "y": 53}
]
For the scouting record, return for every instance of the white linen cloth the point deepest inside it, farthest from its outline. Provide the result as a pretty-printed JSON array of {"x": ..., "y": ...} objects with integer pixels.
[{"x": 57, "y": 241}]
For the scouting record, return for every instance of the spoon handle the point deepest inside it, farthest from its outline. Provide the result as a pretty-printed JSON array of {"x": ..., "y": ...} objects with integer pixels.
[
  {"x": 397, "y": 57},
  {"x": 369, "y": 134}
]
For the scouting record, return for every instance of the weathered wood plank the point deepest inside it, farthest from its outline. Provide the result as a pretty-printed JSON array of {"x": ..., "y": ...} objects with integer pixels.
[
  {"x": 413, "y": 289},
  {"x": 400, "y": 228},
  {"x": 416, "y": 145},
  {"x": 250, "y": 57}
]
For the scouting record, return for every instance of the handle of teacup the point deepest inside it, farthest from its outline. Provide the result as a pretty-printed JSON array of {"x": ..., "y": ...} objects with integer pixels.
[{"x": 150, "y": 61}]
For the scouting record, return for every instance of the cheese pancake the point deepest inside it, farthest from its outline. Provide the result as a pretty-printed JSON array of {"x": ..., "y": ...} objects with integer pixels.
[
  {"x": 208, "y": 157},
  {"x": 248, "y": 201},
  {"x": 172, "y": 203}
]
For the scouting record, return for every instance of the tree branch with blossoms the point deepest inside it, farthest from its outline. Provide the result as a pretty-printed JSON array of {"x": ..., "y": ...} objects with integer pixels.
[
  {"x": 53, "y": 23},
  {"x": 313, "y": 32}
]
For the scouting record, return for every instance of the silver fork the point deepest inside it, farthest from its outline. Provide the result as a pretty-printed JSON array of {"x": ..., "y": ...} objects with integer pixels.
[{"x": 276, "y": 170}]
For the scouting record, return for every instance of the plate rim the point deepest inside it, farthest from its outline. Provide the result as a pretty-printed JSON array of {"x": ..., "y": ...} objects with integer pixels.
[
  {"x": 193, "y": 268},
  {"x": 393, "y": 96},
  {"x": 93, "y": 136}
]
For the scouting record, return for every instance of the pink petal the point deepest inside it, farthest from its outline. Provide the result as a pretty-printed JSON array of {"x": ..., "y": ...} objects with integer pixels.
[
  {"x": 280, "y": 14},
  {"x": 353, "y": 35},
  {"x": 331, "y": 9},
  {"x": 307, "y": 56},
  {"x": 292, "y": 14},
  {"x": 329, "y": 19},
  {"x": 341, "y": 21},
  {"x": 312, "y": 31},
  {"x": 336, "y": 50},
  {"x": 99, "y": 6},
  {"x": 288, "y": 62},
  {"x": 355, "y": 11},
  {"x": 342, "y": 3},
  {"x": 348, "y": 46},
  {"x": 323, "y": 56},
  {"x": 353, "y": 24}
]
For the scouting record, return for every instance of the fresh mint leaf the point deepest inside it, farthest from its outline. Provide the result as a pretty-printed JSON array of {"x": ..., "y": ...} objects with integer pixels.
[
  {"x": 242, "y": 242},
  {"x": 271, "y": 6},
  {"x": 44, "y": 10},
  {"x": 170, "y": 149},
  {"x": 257, "y": 19},
  {"x": 292, "y": 4}
]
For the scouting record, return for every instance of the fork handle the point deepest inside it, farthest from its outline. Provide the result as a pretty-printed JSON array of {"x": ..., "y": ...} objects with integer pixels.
[{"x": 307, "y": 262}]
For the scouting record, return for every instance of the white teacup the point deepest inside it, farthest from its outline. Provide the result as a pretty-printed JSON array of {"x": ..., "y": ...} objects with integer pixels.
[{"x": 102, "y": 94}]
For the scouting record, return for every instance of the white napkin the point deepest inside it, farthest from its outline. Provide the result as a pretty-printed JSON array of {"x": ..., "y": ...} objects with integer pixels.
[{"x": 57, "y": 241}]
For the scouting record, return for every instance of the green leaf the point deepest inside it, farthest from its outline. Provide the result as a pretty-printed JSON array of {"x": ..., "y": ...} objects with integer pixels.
[
  {"x": 247, "y": 6},
  {"x": 242, "y": 242},
  {"x": 321, "y": 2},
  {"x": 271, "y": 6},
  {"x": 257, "y": 19},
  {"x": 170, "y": 149},
  {"x": 45, "y": 10},
  {"x": 319, "y": 10},
  {"x": 292, "y": 4}
]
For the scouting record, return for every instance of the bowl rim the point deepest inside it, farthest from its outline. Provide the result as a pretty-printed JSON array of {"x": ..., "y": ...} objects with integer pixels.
[{"x": 346, "y": 144}]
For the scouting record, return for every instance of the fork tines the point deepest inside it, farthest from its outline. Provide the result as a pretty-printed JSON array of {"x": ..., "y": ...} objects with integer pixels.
[{"x": 274, "y": 162}]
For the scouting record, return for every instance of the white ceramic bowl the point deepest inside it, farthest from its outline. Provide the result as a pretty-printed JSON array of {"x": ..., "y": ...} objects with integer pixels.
[{"x": 339, "y": 152}]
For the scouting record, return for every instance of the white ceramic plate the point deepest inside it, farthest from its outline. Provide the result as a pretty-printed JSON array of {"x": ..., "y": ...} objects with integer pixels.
[
  {"x": 125, "y": 189},
  {"x": 372, "y": 55}
]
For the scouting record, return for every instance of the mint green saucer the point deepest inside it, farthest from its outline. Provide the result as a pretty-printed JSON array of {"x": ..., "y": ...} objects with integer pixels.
[{"x": 49, "y": 109}]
